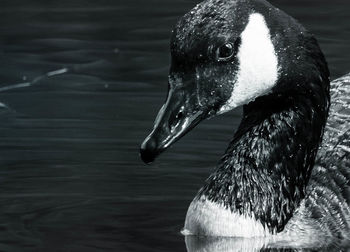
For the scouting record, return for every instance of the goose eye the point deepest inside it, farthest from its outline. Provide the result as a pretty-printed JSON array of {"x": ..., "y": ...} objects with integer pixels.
[{"x": 225, "y": 52}]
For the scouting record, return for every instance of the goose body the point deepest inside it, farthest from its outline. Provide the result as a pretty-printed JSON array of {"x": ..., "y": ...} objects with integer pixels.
[
  {"x": 277, "y": 178},
  {"x": 323, "y": 215}
]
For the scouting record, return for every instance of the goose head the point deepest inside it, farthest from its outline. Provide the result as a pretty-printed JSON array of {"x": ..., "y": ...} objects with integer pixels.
[{"x": 224, "y": 54}]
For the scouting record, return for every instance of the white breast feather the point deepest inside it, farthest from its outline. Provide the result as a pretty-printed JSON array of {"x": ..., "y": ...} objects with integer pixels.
[{"x": 206, "y": 218}]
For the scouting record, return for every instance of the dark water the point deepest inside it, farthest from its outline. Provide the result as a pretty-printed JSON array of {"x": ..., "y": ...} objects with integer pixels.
[{"x": 93, "y": 75}]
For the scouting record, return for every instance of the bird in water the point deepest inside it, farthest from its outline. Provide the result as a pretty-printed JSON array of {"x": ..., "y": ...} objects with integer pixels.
[{"x": 286, "y": 171}]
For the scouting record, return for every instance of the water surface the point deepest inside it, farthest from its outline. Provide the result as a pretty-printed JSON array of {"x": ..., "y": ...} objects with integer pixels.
[{"x": 80, "y": 84}]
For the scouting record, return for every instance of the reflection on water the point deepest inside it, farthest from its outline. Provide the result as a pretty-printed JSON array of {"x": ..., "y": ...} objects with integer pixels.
[
  {"x": 201, "y": 244},
  {"x": 216, "y": 244},
  {"x": 80, "y": 83}
]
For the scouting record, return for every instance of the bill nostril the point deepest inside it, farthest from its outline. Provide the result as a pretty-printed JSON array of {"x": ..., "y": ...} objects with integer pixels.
[
  {"x": 174, "y": 122},
  {"x": 179, "y": 115}
]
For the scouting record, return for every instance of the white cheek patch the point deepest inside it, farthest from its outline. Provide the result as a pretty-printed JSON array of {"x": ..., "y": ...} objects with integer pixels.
[
  {"x": 258, "y": 64},
  {"x": 206, "y": 218}
]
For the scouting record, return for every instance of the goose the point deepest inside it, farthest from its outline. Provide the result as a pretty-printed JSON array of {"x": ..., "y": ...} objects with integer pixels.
[{"x": 286, "y": 171}]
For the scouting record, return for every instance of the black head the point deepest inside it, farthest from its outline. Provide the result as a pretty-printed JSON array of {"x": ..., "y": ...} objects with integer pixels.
[{"x": 227, "y": 53}]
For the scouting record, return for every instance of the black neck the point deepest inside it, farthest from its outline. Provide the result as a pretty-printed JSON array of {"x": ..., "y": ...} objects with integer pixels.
[{"x": 266, "y": 168}]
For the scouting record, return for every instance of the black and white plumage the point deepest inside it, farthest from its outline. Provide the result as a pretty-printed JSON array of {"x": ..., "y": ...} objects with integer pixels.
[{"x": 228, "y": 53}]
